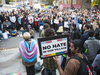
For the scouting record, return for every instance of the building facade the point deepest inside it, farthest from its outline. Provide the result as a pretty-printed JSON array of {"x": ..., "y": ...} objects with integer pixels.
[{"x": 75, "y": 3}]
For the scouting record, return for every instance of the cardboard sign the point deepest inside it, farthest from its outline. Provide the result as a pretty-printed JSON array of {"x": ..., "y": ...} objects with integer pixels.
[
  {"x": 56, "y": 21},
  {"x": 66, "y": 25},
  {"x": 53, "y": 46},
  {"x": 80, "y": 26}
]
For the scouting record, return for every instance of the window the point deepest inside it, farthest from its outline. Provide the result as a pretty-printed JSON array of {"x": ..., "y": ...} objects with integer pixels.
[
  {"x": 88, "y": 1},
  {"x": 74, "y": 1}
]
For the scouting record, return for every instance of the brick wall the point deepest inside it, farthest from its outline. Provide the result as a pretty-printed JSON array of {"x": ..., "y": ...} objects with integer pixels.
[{"x": 85, "y": 5}]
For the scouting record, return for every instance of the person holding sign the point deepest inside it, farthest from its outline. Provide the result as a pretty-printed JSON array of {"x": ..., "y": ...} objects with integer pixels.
[
  {"x": 49, "y": 63},
  {"x": 28, "y": 52},
  {"x": 74, "y": 63}
]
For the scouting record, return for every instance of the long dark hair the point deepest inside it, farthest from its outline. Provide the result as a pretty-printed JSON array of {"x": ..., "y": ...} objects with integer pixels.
[{"x": 78, "y": 43}]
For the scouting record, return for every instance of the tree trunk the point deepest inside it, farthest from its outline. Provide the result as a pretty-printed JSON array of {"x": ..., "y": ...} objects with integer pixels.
[{"x": 71, "y": 4}]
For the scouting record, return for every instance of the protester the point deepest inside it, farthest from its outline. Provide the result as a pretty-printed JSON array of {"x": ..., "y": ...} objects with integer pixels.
[
  {"x": 40, "y": 23},
  {"x": 85, "y": 36},
  {"x": 13, "y": 21},
  {"x": 92, "y": 46},
  {"x": 36, "y": 23},
  {"x": 20, "y": 22},
  {"x": 95, "y": 24},
  {"x": 73, "y": 33},
  {"x": 73, "y": 65},
  {"x": 49, "y": 63},
  {"x": 30, "y": 19},
  {"x": 7, "y": 24},
  {"x": 31, "y": 32},
  {"x": 25, "y": 22},
  {"x": 44, "y": 28},
  {"x": 28, "y": 52}
]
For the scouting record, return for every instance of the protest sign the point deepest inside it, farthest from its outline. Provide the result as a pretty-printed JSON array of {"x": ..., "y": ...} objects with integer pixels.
[
  {"x": 66, "y": 25},
  {"x": 80, "y": 26},
  {"x": 7, "y": 7},
  {"x": 56, "y": 21},
  {"x": 53, "y": 46}
]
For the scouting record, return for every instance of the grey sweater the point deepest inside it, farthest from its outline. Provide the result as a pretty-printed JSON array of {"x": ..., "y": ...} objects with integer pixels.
[{"x": 93, "y": 46}]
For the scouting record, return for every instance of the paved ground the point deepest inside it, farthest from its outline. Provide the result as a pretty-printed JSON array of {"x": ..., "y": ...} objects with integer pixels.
[{"x": 13, "y": 42}]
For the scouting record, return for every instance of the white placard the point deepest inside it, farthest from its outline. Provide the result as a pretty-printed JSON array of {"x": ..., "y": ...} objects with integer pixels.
[
  {"x": 66, "y": 25},
  {"x": 54, "y": 46},
  {"x": 56, "y": 21},
  {"x": 80, "y": 26}
]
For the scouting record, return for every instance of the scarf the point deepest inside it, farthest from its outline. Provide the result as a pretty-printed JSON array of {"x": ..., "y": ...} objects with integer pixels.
[{"x": 28, "y": 54}]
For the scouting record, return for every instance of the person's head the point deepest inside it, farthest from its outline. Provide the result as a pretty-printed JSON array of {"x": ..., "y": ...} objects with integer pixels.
[
  {"x": 5, "y": 15},
  {"x": 29, "y": 26},
  {"x": 6, "y": 20},
  {"x": 26, "y": 36},
  {"x": 49, "y": 32},
  {"x": 69, "y": 18},
  {"x": 24, "y": 16},
  {"x": 86, "y": 27},
  {"x": 76, "y": 46},
  {"x": 97, "y": 20},
  {"x": 12, "y": 14},
  {"x": 74, "y": 26},
  {"x": 40, "y": 19},
  {"x": 46, "y": 26},
  {"x": 91, "y": 33},
  {"x": 5, "y": 30},
  {"x": 59, "y": 21},
  {"x": 85, "y": 20}
]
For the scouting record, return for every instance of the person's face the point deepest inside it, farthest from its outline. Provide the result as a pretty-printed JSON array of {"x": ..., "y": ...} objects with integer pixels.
[
  {"x": 97, "y": 21},
  {"x": 84, "y": 21},
  {"x": 12, "y": 14},
  {"x": 84, "y": 27},
  {"x": 6, "y": 20},
  {"x": 5, "y": 15},
  {"x": 72, "y": 27},
  {"x": 72, "y": 48}
]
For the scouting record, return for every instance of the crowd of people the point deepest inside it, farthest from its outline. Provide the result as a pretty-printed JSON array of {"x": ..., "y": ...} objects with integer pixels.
[{"x": 82, "y": 27}]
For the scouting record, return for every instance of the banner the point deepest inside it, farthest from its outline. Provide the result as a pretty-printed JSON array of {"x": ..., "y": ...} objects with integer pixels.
[
  {"x": 53, "y": 46},
  {"x": 7, "y": 7}
]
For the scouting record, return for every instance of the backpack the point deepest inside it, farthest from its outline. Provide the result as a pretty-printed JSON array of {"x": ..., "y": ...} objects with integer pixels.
[
  {"x": 77, "y": 34},
  {"x": 85, "y": 66},
  {"x": 37, "y": 67}
]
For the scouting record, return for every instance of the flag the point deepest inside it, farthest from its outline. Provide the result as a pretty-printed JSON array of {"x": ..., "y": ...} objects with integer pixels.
[
  {"x": 5, "y": 35},
  {"x": 14, "y": 74}
]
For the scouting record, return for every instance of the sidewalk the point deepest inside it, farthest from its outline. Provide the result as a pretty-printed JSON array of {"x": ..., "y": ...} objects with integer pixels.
[{"x": 11, "y": 58}]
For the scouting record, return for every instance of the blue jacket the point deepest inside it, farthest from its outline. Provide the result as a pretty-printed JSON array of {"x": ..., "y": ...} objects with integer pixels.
[
  {"x": 19, "y": 20},
  {"x": 40, "y": 23},
  {"x": 59, "y": 24},
  {"x": 85, "y": 36}
]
